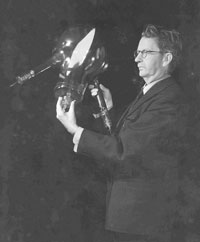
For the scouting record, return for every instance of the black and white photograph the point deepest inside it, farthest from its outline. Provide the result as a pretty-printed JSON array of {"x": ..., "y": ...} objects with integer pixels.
[{"x": 100, "y": 121}]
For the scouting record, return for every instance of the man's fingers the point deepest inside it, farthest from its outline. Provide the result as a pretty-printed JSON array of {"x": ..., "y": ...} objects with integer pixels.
[
  {"x": 103, "y": 88},
  {"x": 94, "y": 91},
  {"x": 61, "y": 106},
  {"x": 91, "y": 86}
]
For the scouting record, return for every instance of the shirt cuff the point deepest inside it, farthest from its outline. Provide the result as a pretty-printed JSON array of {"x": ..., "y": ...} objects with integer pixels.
[{"x": 77, "y": 137}]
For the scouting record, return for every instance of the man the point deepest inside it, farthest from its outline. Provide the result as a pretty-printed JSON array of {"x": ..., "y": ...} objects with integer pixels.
[{"x": 144, "y": 150}]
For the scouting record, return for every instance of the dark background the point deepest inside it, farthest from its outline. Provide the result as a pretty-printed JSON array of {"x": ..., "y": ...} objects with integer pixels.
[{"x": 47, "y": 193}]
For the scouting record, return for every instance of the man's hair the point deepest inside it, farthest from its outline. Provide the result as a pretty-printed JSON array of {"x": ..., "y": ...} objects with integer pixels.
[{"x": 168, "y": 41}]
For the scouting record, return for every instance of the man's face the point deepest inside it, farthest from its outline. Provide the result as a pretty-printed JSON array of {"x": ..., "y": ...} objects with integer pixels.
[{"x": 151, "y": 67}]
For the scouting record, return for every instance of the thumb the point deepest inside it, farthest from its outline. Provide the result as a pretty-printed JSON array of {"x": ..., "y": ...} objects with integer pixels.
[
  {"x": 59, "y": 105},
  {"x": 72, "y": 105}
]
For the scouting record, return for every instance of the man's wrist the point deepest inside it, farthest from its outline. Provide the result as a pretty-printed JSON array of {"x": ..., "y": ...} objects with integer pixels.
[{"x": 74, "y": 129}]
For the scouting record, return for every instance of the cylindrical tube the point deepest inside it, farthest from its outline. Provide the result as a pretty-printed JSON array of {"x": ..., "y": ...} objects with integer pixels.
[{"x": 103, "y": 108}]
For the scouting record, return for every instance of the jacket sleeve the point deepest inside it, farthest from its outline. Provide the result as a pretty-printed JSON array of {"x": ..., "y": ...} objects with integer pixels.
[{"x": 140, "y": 133}]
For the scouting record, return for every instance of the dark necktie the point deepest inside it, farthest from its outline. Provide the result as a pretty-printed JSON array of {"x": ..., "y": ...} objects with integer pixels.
[{"x": 140, "y": 94}]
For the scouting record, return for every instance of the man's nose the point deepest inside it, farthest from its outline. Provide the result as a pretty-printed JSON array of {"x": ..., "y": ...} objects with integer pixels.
[{"x": 138, "y": 58}]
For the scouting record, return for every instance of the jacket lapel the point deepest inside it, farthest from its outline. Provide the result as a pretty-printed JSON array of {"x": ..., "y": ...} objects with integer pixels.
[{"x": 158, "y": 87}]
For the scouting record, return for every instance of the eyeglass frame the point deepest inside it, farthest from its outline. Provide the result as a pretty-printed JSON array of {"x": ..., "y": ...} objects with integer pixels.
[{"x": 144, "y": 53}]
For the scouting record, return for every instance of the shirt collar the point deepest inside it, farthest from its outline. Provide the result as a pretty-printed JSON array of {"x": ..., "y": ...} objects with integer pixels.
[{"x": 146, "y": 86}]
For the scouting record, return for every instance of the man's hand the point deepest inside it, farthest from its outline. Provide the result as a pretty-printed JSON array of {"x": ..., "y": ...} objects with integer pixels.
[
  {"x": 106, "y": 94},
  {"x": 68, "y": 119}
]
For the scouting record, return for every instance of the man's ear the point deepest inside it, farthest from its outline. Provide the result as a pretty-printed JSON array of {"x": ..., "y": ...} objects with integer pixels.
[{"x": 167, "y": 59}]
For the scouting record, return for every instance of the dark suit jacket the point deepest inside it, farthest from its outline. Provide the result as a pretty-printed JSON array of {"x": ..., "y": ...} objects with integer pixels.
[{"x": 145, "y": 154}]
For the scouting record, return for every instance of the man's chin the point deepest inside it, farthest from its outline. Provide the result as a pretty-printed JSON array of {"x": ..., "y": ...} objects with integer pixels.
[{"x": 141, "y": 74}]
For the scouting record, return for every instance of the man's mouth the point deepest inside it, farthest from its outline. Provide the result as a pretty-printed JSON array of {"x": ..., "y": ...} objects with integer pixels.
[{"x": 140, "y": 67}]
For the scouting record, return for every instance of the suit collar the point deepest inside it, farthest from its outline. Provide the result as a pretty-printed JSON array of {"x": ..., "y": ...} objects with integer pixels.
[
  {"x": 158, "y": 87},
  {"x": 148, "y": 86}
]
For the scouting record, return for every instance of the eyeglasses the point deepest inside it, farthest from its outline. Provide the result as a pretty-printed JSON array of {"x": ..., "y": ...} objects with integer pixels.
[{"x": 144, "y": 53}]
